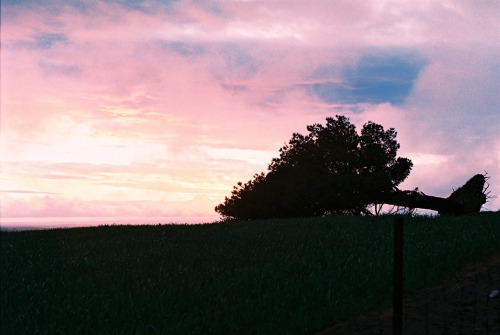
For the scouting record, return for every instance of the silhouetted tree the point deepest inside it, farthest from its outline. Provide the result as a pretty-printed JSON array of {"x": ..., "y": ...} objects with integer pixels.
[{"x": 332, "y": 170}]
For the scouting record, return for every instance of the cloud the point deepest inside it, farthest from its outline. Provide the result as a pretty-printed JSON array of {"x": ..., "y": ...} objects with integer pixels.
[
  {"x": 55, "y": 69},
  {"x": 25, "y": 192},
  {"x": 453, "y": 109},
  {"x": 50, "y": 206},
  {"x": 162, "y": 100}
]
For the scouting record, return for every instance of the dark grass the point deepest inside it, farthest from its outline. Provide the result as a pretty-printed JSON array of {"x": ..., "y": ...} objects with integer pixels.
[{"x": 262, "y": 277}]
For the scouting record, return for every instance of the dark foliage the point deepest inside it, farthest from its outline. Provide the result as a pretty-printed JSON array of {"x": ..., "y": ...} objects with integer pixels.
[{"x": 332, "y": 170}]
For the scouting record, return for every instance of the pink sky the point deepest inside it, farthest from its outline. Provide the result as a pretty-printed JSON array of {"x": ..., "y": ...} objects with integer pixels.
[{"x": 157, "y": 108}]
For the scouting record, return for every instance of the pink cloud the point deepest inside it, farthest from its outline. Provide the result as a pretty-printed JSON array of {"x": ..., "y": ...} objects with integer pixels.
[
  {"x": 148, "y": 101},
  {"x": 50, "y": 206}
]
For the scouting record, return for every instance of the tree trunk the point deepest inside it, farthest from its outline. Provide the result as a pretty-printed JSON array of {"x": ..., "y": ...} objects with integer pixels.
[{"x": 466, "y": 199}]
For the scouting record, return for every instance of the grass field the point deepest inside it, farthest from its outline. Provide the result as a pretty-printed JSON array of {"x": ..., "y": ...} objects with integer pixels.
[{"x": 261, "y": 277}]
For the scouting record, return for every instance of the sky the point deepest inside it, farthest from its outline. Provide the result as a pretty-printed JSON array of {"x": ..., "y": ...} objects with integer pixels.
[{"x": 149, "y": 108}]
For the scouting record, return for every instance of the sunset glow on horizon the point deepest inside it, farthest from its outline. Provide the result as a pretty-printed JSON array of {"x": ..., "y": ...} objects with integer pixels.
[{"x": 155, "y": 108}]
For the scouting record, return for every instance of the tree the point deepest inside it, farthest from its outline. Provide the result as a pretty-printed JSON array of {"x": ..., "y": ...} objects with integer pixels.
[{"x": 332, "y": 170}]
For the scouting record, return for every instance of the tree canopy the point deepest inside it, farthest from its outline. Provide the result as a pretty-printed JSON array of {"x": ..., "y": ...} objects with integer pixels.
[{"x": 331, "y": 170}]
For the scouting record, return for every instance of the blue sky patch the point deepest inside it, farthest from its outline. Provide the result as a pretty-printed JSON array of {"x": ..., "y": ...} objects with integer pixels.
[
  {"x": 83, "y": 5},
  {"x": 238, "y": 63},
  {"x": 55, "y": 5},
  {"x": 141, "y": 4},
  {"x": 378, "y": 78},
  {"x": 42, "y": 41},
  {"x": 185, "y": 49},
  {"x": 47, "y": 40}
]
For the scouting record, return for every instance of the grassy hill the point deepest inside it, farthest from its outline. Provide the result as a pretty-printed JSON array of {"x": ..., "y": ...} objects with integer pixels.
[{"x": 257, "y": 277}]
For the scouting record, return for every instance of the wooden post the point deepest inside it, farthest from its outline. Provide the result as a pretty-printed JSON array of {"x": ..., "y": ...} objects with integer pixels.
[{"x": 397, "y": 295}]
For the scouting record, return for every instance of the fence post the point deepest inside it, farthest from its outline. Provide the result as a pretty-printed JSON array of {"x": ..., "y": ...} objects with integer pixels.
[{"x": 397, "y": 293}]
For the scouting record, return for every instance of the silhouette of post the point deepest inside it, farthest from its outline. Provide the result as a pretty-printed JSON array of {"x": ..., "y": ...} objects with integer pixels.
[{"x": 397, "y": 293}]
